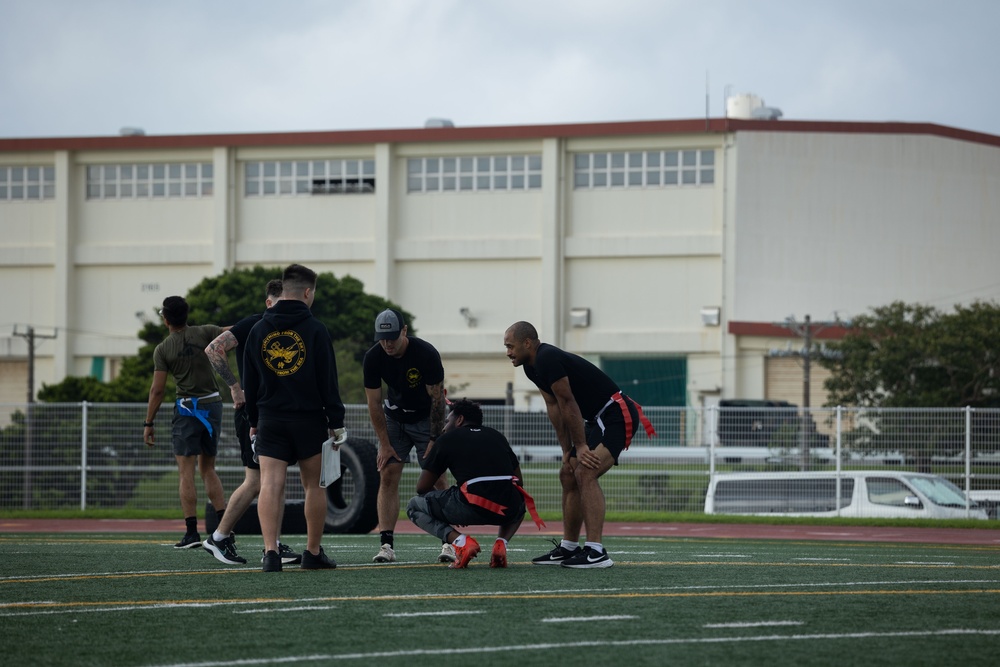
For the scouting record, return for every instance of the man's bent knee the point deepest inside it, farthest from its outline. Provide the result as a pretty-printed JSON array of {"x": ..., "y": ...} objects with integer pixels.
[
  {"x": 567, "y": 478},
  {"x": 390, "y": 475}
]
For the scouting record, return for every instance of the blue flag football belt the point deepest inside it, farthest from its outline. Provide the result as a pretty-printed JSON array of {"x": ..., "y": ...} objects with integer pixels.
[{"x": 193, "y": 411}]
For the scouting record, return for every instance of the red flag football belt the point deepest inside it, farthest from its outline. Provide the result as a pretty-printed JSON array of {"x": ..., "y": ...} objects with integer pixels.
[
  {"x": 497, "y": 508},
  {"x": 619, "y": 398}
]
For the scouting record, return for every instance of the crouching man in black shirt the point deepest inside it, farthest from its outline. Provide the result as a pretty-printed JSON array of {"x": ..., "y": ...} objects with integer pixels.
[{"x": 488, "y": 487}]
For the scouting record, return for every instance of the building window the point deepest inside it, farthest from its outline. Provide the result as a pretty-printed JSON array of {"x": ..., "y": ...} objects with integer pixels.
[
  {"x": 474, "y": 174},
  {"x": 147, "y": 181},
  {"x": 643, "y": 169},
  {"x": 27, "y": 183},
  {"x": 309, "y": 177}
]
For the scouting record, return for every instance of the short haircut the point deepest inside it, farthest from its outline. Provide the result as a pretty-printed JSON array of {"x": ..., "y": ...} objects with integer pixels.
[
  {"x": 469, "y": 410},
  {"x": 175, "y": 310},
  {"x": 296, "y": 279},
  {"x": 274, "y": 288},
  {"x": 523, "y": 331}
]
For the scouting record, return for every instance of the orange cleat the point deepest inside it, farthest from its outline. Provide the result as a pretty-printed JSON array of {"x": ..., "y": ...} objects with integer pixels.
[
  {"x": 499, "y": 556},
  {"x": 465, "y": 553}
]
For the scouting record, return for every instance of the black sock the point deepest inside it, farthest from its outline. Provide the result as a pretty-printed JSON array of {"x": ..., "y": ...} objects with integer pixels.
[
  {"x": 191, "y": 524},
  {"x": 219, "y": 513},
  {"x": 387, "y": 537}
]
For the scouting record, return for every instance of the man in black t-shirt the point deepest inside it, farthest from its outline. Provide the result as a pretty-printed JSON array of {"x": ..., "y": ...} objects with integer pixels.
[
  {"x": 487, "y": 487},
  {"x": 594, "y": 422},
  {"x": 410, "y": 417}
]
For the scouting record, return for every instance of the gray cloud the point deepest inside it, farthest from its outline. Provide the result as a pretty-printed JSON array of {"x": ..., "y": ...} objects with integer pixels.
[{"x": 72, "y": 68}]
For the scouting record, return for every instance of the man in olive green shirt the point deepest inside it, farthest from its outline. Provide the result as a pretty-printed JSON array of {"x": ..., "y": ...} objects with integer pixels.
[{"x": 197, "y": 416}]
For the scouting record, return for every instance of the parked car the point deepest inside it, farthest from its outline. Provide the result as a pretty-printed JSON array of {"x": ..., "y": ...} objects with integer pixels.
[
  {"x": 856, "y": 494},
  {"x": 989, "y": 501}
]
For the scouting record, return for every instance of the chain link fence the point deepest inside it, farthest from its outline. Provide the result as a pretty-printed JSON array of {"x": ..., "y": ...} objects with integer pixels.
[{"x": 89, "y": 455}]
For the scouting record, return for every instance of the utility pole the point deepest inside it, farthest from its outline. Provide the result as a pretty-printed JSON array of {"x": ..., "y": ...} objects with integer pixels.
[
  {"x": 30, "y": 336},
  {"x": 805, "y": 330}
]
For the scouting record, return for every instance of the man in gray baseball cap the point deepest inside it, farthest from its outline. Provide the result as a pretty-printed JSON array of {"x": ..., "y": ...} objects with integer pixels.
[
  {"x": 388, "y": 325},
  {"x": 411, "y": 415}
]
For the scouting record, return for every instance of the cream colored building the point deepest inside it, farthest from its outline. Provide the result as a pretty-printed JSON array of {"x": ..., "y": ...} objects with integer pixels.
[{"x": 663, "y": 250}]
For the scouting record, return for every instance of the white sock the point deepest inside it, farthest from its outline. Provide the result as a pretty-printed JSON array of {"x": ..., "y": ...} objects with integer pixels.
[
  {"x": 459, "y": 541},
  {"x": 500, "y": 539},
  {"x": 218, "y": 537},
  {"x": 596, "y": 546},
  {"x": 569, "y": 546}
]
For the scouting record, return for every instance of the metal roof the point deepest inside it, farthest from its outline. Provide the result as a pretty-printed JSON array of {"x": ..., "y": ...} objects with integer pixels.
[{"x": 488, "y": 133}]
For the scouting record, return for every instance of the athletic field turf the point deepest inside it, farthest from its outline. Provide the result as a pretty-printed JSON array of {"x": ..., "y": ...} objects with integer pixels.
[{"x": 131, "y": 599}]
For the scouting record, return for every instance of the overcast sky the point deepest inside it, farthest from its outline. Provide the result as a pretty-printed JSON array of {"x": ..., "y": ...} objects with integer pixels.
[{"x": 91, "y": 67}]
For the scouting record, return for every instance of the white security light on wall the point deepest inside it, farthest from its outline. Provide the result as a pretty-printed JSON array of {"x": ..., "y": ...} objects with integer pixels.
[
  {"x": 579, "y": 317},
  {"x": 710, "y": 316}
]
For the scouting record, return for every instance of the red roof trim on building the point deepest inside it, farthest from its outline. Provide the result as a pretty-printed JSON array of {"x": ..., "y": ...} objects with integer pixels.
[
  {"x": 487, "y": 133},
  {"x": 768, "y": 330}
]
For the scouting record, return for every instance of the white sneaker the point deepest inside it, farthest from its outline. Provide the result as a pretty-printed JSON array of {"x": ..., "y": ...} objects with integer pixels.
[
  {"x": 385, "y": 555},
  {"x": 447, "y": 554}
]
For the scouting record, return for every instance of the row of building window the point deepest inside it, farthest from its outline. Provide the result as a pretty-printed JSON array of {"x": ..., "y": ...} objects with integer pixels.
[
  {"x": 643, "y": 169},
  {"x": 635, "y": 169},
  {"x": 143, "y": 181},
  {"x": 27, "y": 183},
  {"x": 314, "y": 177},
  {"x": 473, "y": 174}
]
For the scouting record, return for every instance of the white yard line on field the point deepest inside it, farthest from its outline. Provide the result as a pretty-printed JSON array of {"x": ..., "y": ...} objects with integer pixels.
[{"x": 438, "y": 652}]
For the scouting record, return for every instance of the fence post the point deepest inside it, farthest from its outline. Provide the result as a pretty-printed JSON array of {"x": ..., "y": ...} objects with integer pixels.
[
  {"x": 713, "y": 414},
  {"x": 29, "y": 436},
  {"x": 837, "y": 451},
  {"x": 83, "y": 456},
  {"x": 968, "y": 461}
]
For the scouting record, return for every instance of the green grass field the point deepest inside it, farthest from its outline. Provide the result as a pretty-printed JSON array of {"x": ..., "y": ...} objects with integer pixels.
[{"x": 75, "y": 599}]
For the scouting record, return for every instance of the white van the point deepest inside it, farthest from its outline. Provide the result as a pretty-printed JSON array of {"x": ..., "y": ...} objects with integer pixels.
[
  {"x": 989, "y": 501},
  {"x": 861, "y": 494}
]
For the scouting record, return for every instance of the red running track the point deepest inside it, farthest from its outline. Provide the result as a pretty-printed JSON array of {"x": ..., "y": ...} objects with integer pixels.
[{"x": 929, "y": 535}]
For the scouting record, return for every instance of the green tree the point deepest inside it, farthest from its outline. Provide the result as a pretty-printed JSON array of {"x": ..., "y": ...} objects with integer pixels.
[
  {"x": 341, "y": 304},
  {"x": 912, "y": 355}
]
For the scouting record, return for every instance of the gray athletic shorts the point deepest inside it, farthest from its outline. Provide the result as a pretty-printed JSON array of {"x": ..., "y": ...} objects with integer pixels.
[{"x": 405, "y": 437}]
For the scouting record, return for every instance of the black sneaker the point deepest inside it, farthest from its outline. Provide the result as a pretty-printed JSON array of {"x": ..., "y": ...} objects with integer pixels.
[
  {"x": 320, "y": 562},
  {"x": 224, "y": 550},
  {"x": 288, "y": 557},
  {"x": 271, "y": 561},
  {"x": 588, "y": 557},
  {"x": 556, "y": 556},
  {"x": 189, "y": 541}
]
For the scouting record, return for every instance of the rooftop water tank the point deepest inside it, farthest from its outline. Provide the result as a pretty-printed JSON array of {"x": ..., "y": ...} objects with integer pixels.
[{"x": 749, "y": 106}]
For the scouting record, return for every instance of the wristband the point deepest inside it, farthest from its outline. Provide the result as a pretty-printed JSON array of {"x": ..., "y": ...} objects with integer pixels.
[{"x": 147, "y": 424}]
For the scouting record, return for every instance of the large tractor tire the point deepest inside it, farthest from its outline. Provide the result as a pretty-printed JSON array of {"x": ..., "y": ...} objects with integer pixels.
[{"x": 352, "y": 501}]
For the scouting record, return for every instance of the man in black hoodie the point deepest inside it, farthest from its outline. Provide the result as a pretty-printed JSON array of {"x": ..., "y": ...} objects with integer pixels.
[{"x": 293, "y": 404}]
